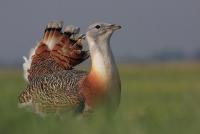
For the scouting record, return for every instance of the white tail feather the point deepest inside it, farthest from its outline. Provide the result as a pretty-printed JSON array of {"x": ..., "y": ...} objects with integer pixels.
[
  {"x": 52, "y": 42},
  {"x": 27, "y": 62},
  {"x": 72, "y": 29},
  {"x": 26, "y": 66}
]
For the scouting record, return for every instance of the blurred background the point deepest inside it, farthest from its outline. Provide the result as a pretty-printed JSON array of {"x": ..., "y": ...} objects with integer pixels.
[{"x": 157, "y": 51}]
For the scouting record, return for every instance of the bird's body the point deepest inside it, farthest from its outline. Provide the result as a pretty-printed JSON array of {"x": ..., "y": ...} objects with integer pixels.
[
  {"x": 64, "y": 88},
  {"x": 54, "y": 92}
]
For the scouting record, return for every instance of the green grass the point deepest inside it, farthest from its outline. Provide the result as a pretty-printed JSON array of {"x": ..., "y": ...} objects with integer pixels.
[{"x": 156, "y": 99}]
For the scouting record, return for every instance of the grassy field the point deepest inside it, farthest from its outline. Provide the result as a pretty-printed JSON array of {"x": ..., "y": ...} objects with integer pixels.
[{"x": 156, "y": 99}]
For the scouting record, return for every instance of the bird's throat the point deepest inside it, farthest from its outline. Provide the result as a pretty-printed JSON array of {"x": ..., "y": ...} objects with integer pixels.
[{"x": 103, "y": 69}]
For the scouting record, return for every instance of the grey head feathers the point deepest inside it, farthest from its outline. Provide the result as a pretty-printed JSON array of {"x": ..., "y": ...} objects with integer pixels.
[{"x": 101, "y": 30}]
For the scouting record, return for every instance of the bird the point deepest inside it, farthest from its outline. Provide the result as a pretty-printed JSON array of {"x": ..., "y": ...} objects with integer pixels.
[{"x": 76, "y": 90}]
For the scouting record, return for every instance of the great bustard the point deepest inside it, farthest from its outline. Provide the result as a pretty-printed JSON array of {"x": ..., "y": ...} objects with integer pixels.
[{"x": 54, "y": 85}]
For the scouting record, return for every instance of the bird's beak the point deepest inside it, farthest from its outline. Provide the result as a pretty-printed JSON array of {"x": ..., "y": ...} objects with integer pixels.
[{"x": 114, "y": 27}]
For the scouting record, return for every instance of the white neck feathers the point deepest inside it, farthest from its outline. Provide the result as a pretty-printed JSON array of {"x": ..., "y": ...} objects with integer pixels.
[{"x": 103, "y": 63}]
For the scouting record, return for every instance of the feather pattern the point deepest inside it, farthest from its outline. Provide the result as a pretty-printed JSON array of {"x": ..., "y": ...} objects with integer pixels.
[
  {"x": 56, "y": 51},
  {"x": 53, "y": 84},
  {"x": 54, "y": 91}
]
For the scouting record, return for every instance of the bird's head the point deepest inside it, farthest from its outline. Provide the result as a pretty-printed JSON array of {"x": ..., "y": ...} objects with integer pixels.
[{"x": 101, "y": 31}]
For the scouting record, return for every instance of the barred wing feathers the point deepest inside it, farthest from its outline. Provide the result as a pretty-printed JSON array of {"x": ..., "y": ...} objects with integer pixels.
[
  {"x": 54, "y": 92},
  {"x": 56, "y": 51}
]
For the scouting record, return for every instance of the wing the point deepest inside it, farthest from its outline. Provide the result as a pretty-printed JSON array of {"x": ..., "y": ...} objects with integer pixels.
[
  {"x": 56, "y": 51},
  {"x": 54, "y": 92}
]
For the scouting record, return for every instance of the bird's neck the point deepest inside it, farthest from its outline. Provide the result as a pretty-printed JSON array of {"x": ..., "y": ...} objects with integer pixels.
[
  {"x": 103, "y": 79},
  {"x": 104, "y": 70}
]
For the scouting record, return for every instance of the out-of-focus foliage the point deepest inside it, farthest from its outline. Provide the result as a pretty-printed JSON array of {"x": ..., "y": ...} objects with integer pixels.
[{"x": 156, "y": 99}]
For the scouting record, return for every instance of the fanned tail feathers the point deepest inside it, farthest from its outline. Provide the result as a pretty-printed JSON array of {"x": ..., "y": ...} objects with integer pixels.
[{"x": 56, "y": 51}]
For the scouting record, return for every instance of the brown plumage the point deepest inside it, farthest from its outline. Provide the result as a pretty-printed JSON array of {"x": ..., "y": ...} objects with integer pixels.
[
  {"x": 56, "y": 52},
  {"x": 54, "y": 92},
  {"x": 53, "y": 84}
]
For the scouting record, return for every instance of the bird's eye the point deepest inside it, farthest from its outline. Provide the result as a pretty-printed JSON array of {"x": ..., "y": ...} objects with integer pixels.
[{"x": 97, "y": 26}]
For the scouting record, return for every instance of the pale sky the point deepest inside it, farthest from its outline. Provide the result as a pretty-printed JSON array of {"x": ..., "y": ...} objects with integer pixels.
[{"x": 148, "y": 25}]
